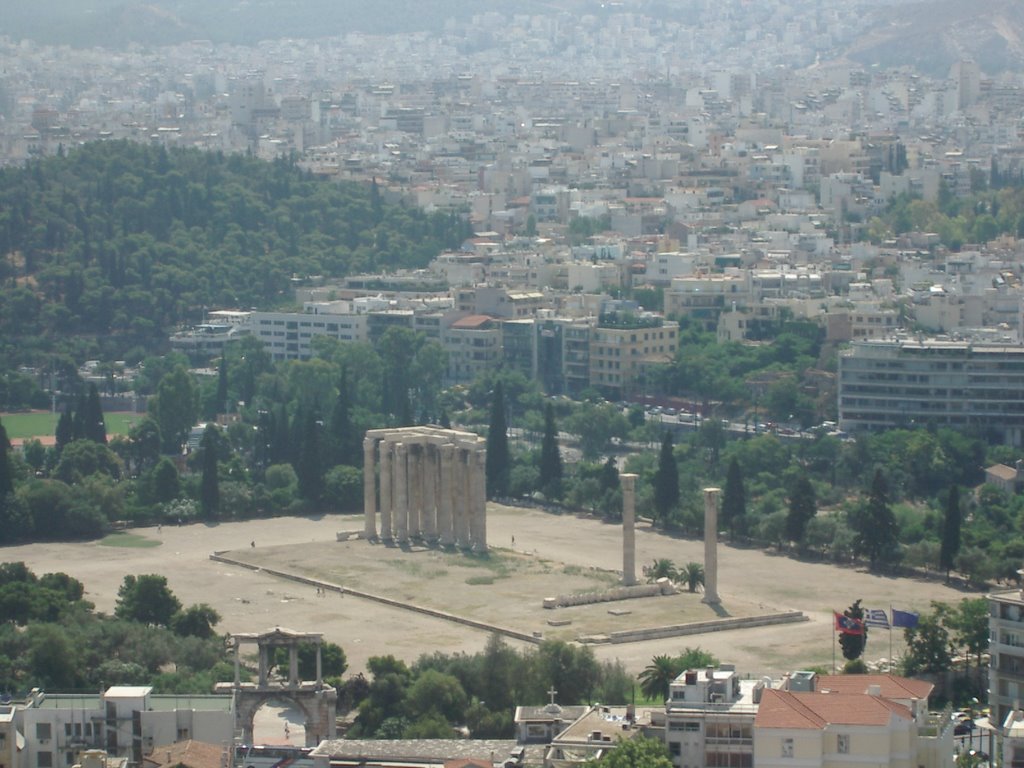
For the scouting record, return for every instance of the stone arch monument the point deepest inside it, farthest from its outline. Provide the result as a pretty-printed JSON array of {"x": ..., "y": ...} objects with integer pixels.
[
  {"x": 433, "y": 487},
  {"x": 313, "y": 698}
]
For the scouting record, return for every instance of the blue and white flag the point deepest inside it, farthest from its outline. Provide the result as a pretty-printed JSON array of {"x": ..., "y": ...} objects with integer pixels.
[{"x": 876, "y": 617}]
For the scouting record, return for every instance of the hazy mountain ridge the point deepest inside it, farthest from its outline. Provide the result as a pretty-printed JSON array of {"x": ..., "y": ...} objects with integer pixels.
[{"x": 933, "y": 35}]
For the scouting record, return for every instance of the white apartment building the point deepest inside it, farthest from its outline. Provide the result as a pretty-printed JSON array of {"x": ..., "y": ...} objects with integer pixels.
[
  {"x": 288, "y": 335},
  {"x": 960, "y": 384},
  {"x": 127, "y": 721},
  {"x": 1006, "y": 649}
]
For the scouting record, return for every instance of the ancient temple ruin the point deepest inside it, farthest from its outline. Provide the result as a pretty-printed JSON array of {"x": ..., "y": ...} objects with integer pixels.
[{"x": 432, "y": 487}]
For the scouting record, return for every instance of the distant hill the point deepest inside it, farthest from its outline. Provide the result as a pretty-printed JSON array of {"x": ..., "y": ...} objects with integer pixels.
[
  {"x": 115, "y": 23},
  {"x": 934, "y": 34}
]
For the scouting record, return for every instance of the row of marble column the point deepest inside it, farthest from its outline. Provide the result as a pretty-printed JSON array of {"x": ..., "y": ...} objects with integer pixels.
[{"x": 432, "y": 489}]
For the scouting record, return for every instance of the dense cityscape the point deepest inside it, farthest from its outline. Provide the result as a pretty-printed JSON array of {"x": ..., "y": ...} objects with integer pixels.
[{"x": 564, "y": 321}]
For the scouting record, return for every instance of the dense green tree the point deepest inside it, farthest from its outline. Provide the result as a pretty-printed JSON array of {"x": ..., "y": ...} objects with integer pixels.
[
  {"x": 174, "y": 408},
  {"x": 803, "y": 506},
  {"x": 928, "y": 644},
  {"x": 854, "y": 643},
  {"x": 195, "y": 621},
  {"x": 666, "y": 480},
  {"x": 309, "y": 466},
  {"x": 343, "y": 438},
  {"x": 146, "y": 599},
  {"x": 595, "y": 424},
  {"x": 145, "y": 441},
  {"x": 64, "y": 431},
  {"x": 221, "y": 398},
  {"x": 436, "y": 692},
  {"x": 85, "y": 458},
  {"x": 950, "y": 545},
  {"x": 95, "y": 427},
  {"x": 165, "y": 485},
  {"x": 734, "y": 500},
  {"x": 6, "y": 469},
  {"x": 498, "y": 456},
  {"x": 874, "y": 523},
  {"x": 550, "y": 479},
  {"x": 209, "y": 484}
]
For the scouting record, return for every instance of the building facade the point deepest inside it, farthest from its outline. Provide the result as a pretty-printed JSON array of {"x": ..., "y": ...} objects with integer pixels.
[{"x": 907, "y": 382}]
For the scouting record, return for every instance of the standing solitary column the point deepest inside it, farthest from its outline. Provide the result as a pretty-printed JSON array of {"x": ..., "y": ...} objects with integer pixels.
[
  {"x": 387, "y": 503},
  {"x": 401, "y": 492},
  {"x": 628, "y": 483},
  {"x": 369, "y": 490},
  {"x": 445, "y": 530},
  {"x": 711, "y": 546}
]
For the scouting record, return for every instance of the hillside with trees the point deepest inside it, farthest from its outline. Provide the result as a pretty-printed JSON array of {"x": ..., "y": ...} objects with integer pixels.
[{"x": 105, "y": 249}]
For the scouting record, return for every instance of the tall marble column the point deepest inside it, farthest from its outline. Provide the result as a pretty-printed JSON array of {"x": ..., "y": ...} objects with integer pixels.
[
  {"x": 369, "y": 489},
  {"x": 387, "y": 496},
  {"x": 401, "y": 493},
  {"x": 478, "y": 496},
  {"x": 460, "y": 498},
  {"x": 628, "y": 483},
  {"x": 428, "y": 511},
  {"x": 445, "y": 503},
  {"x": 415, "y": 488},
  {"x": 711, "y": 546}
]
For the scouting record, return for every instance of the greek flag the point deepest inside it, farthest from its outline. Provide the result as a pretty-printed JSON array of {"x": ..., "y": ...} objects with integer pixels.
[{"x": 876, "y": 617}]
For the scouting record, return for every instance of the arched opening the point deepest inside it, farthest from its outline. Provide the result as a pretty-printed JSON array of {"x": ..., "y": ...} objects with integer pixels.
[{"x": 279, "y": 720}]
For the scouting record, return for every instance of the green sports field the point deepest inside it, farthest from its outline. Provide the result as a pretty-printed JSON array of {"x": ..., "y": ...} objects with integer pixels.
[{"x": 42, "y": 423}]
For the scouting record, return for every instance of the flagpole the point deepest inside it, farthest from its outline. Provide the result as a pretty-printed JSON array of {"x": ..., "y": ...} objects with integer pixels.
[
  {"x": 833, "y": 647},
  {"x": 890, "y": 639}
]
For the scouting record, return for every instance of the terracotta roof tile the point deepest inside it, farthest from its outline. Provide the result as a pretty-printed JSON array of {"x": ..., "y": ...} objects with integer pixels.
[
  {"x": 890, "y": 686},
  {"x": 786, "y": 709}
]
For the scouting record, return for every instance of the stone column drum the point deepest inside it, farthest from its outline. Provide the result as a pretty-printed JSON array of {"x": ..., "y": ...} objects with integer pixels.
[
  {"x": 369, "y": 490},
  {"x": 628, "y": 483},
  {"x": 711, "y": 546}
]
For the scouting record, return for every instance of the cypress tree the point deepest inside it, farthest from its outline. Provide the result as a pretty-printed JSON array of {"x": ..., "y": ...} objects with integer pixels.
[
  {"x": 78, "y": 431},
  {"x": 950, "y": 531},
  {"x": 6, "y": 471},
  {"x": 734, "y": 500},
  {"x": 209, "y": 488},
  {"x": 497, "y": 468},
  {"x": 666, "y": 480},
  {"x": 310, "y": 466},
  {"x": 609, "y": 478},
  {"x": 222, "y": 385},
  {"x": 65, "y": 432},
  {"x": 343, "y": 441},
  {"x": 94, "y": 427},
  {"x": 550, "y": 456},
  {"x": 803, "y": 506}
]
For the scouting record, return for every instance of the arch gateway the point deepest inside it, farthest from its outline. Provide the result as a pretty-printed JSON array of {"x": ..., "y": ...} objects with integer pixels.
[{"x": 313, "y": 698}]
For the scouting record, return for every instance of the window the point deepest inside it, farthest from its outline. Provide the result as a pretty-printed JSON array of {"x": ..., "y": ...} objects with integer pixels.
[
  {"x": 675, "y": 748},
  {"x": 843, "y": 743},
  {"x": 787, "y": 747},
  {"x": 69, "y": 758},
  {"x": 44, "y": 759},
  {"x": 42, "y": 732}
]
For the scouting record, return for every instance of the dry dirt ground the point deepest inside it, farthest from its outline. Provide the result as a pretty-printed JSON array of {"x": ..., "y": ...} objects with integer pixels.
[{"x": 552, "y": 554}]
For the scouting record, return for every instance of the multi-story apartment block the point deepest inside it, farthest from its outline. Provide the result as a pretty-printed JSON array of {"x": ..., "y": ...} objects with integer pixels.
[
  {"x": 126, "y": 721},
  {"x": 473, "y": 344},
  {"x": 288, "y": 335},
  {"x": 1006, "y": 651},
  {"x": 704, "y": 297},
  {"x": 563, "y": 354},
  {"x": 961, "y": 384},
  {"x": 623, "y": 344}
]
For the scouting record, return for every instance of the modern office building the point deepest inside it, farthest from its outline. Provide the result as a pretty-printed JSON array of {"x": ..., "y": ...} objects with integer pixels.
[
  {"x": 915, "y": 382},
  {"x": 1006, "y": 653}
]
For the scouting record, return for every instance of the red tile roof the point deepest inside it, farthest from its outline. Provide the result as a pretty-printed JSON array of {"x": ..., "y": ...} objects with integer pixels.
[
  {"x": 472, "y": 321},
  {"x": 786, "y": 709},
  {"x": 890, "y": 686}
]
